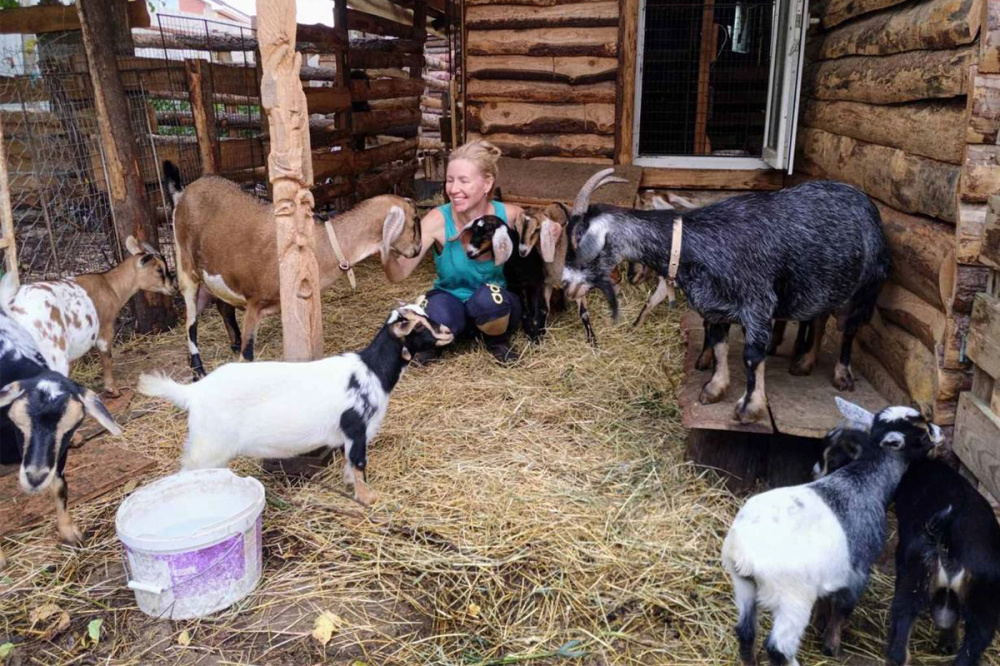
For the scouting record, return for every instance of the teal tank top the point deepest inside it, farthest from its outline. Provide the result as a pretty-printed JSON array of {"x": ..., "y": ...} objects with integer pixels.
[{"x": 456, "y": 273}]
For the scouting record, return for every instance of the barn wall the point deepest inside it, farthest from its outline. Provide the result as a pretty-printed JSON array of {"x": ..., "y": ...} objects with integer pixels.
[{"x": 903, "y": 101}]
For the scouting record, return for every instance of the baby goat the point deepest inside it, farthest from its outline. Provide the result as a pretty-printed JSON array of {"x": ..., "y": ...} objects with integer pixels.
[
  {"x": 791, "y": 546},
  {"x": 39, "y": 412},
  {"x": 281, "y": 410},
  {"x": 795, "y": 254},
  {"x": 67, "y": 317},
  {"x": 947, "y": 558}
]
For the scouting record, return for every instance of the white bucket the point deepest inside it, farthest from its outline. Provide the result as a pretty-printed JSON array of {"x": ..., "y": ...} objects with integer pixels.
[{"x": 192, "y": 541}]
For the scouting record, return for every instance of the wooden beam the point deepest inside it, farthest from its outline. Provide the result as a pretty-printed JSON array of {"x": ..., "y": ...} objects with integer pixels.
[
  {"x": 59, "y": 18},
  {"x": 574, "y": 70},
  {"x": 513, "y": 17},
  {"x": 980, "y": 173},
  {"x": 989, "y": 42},
  {"x": 904, "y": 77},
  {"x": 379, "y": 122},
  {"x": 132, "y": 211},
  {"x": 977, "y": 431},
  {"x": 983, "y": 345},
  {"x": 291, "y": 176},
  {"x": 836, "y": 12},
  {"x": 546, "y": 145},
  {"x": 983, "y": 108},
  {"x": 327, "y": 99},
  {"x": 990, "y": 250},
  {"x": 528, "y": 3},
  {"x": 969, "y": 229},
  {"x": 540, "y": 91},
  {"x": 7, "y": 215},
  {"x": 523, "y": 117},
  {"x": 934, "y": 24},
  {"x": 316, "y": 38},
  {"x": 628, "y": 29},
  {"x": 923, "y": 255},
  {"x": 712, "y": 179},
  {"x": 602, "y": 42},
  {"x": 937, "y": 331},
  {"x": 203, "y": 112},
  {"x": 377, "y": 25},
  {"x": 706, "y": 55}
]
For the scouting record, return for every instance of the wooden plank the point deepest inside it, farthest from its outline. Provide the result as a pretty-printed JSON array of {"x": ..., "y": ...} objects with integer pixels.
[
  {"x": 505, "y": 16},
  {"x": 983, "y": 345},
  {"x": 551, "y": 145},
  {"x": 203, "y": 111},
  {"x": 837, "y": 11},
  {"x": 977, "y": 432},
  {"x": 990, "y": 250},
  {"x": 377, "y": 25},
  {"x": 93, "y": 470},
  {"x": 933, "y": 24},
  {"x": 904, "y": 77},
  {"x": 539, "y": 91},
  {"x": 561, "y": 181},
  {"x": 381, "y": 121},
  {"x": 969, "y": 230},
  {"x": 983, "y": 108},
  {"x": 989, "y": 43},
  {"x": 980, "y": 173},
  {"x": 706, "y": 56},
  {"x": 385, "y": 88},
  {"x": 602, "y": 42},
  {"x": 574, "y": 70},
  {"x": 934, "y": 129},
  {"x": 712, "y": 179},
  {"x": 628, "y": 29},
  {"x": 522, "y": 117},
  {"x": 327, "y": 100},
  {"x": 907, "y": 182},
  {"x": 40, "y": 19},
  {"x": 6, "y": 214},
  {"x": 290, "y": 172}
]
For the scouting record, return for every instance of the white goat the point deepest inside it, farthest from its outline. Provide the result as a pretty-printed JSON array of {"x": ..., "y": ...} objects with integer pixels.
[{"x": 280, "y": 410}]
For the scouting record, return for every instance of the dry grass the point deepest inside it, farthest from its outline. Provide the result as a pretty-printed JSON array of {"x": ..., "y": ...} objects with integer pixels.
[{"x": 523, "y": 511}]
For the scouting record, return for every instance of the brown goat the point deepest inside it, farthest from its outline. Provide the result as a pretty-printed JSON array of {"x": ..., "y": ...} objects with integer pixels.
[{"x": 227, "y": 249}]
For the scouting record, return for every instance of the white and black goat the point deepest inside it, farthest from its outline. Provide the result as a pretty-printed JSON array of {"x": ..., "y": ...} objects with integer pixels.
[
  {"x": 947, "y": 558},
  {"x": 796, "y": 254},
  {"x": 789, "y": 547},
  {"x": 281, "y": 410},
  {"x": 40, "y": 409}
]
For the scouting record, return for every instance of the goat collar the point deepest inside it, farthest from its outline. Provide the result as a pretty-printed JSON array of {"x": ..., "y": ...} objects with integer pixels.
[
  {"x": 339, "y": 253},
  {"x": 675, "y": 259}
]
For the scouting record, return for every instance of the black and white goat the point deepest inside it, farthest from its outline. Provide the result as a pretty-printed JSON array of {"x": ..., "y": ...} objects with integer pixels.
[
  {"x": 280, "y": 410},
  {"x": 40, "y": 409},
  {"x": 947, "y": 558},
  {"x": 789, "y": 547},
  {"x": 796, "y": 254}
]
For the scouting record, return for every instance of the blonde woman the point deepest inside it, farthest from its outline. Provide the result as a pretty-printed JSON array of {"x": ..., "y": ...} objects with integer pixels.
[{"x": 470, "y": 295}]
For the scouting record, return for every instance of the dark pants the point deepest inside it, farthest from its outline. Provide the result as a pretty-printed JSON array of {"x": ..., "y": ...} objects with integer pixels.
[{"x": 487, "y": 304}]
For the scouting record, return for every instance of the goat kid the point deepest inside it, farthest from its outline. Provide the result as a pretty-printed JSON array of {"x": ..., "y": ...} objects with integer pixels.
[
  {"x": 281, "y": 410},
  {"x": 226, "y": 250},
  {"x": 789, "y": 547},
  {"x": 39, "y": 411},
  {"x": 947, "y": 557},
  {"x": 796, "y": 254},
  {"x": 67, "y": 317}
]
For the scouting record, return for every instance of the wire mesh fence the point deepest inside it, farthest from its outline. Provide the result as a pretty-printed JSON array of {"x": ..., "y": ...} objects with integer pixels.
[{"x": 705, "y": 77}]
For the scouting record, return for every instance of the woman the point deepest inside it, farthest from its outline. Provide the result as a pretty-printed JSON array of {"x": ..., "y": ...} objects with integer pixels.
[{"x": 469, "y": 295}]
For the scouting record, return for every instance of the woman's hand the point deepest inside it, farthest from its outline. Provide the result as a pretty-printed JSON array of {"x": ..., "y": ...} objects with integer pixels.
[{"x": 398, "y": 267}]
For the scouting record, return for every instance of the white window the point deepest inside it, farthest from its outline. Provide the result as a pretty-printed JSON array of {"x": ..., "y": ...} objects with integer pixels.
[{"x": 717, "y": 83}]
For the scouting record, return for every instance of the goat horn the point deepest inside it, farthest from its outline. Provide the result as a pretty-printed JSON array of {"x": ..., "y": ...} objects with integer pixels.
[{"x": 602, "y": 177}]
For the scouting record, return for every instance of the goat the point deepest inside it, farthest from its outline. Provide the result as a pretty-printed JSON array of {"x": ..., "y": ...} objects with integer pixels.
[
  {"x": 280, "y": 410},
  {"x": 525, "y": 274},
  {"x": 68, "y": 317},
  {"x": 40, "y": 409},
  {"x": 791, "y": 546},
  {"x": 795, "y": 254},
  {"x": 225, "y": 242},
  {"x": 947, "y": 558}
]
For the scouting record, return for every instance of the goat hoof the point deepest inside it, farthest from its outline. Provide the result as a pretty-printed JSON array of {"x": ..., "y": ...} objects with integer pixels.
[
  {"x": 235, "y": 348},
  {"x": 711, "y": 394},
  {"x": 746, "y": 412},
  {"x": 70, "y": 534},
  {"x": 111, "y": 393},
  {"x": 831, "y": 650},
  {"x": 801, "y": 368},
  {"x": 705, "y": 361}
]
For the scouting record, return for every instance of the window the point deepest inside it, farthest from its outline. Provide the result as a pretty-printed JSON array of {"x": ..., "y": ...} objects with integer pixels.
[{"x": 717, "y": 83}]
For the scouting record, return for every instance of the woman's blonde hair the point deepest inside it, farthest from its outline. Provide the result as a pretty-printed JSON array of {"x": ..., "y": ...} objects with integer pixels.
[{"x": 484, "y": 155}]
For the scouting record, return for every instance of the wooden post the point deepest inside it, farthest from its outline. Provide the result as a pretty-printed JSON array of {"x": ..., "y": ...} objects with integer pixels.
[
  {"x": 132, "y": 211},
  {"x": 7, "y": 243},
  {"x": 203, "y": 110},
  {"x": 343, "y": 80},
  {"x": 291, "y": 175},
  {"x": 702, "y": 146},
  {"x": 628, "y": 29}
]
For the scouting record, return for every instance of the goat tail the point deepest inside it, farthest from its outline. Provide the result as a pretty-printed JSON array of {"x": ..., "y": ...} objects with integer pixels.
[
  {"x": 8, "y": 290},
  {"x": 160, "y": 386},
  {"x": 172, "y": 181}
]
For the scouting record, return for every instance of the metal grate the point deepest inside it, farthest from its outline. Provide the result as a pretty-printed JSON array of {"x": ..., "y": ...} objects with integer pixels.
[{"x": 705, "y": 76}]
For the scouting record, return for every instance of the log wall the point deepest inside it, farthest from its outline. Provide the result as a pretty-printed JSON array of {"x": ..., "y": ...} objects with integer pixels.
[{"x": 903, "y": 101}]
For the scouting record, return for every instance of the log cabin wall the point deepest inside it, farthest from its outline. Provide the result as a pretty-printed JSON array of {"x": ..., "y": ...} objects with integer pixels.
[{"x": 901, "y": 100}]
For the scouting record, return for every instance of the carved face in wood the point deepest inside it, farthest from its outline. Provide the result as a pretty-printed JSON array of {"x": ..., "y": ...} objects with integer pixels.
[{"x": 466, "y": 185}]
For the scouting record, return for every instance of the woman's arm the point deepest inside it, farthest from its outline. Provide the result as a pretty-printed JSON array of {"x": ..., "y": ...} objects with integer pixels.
[
  {"x": 398, "y": 267},
  {"x": 513, "y": 211}
]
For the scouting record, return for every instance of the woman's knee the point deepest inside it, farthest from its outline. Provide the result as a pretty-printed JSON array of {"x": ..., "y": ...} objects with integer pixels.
[
  {"x": 493, "y": 309},
  {"x": 446, "y": 309}
]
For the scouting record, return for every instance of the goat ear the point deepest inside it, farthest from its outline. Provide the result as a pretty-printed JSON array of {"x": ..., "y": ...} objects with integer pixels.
[
  {"x": 680, "y": 203},
  {"x": 100, "y": 413},
  {"x": 392, "y": 227},
  {"x": 592, "y": 243},
  {"x": 548, "y": 238},
  {"x": 855, "y": 413},
  {"x": 149, "y": 248},
  {"x": 659, "y": 203},
  {"x": 893, "y": 440},
  {"x": 10, "y": 393},
  {"x": 132, "y": 245},
  {"x": 502, "y": 246}
]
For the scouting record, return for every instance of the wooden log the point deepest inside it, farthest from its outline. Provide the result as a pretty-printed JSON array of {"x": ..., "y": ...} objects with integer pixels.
[
  {"x": 318, "y": 73},
  {"x": 904, "y": 77},
  {"x": 41, "y": 19},
  {"x": 327, "y": 100},
  {"x": 397, "y": 103},
  {"x": 9, "y": 242},
  {"x": 712, "y": 179},
  {"x": 969, "y": 281},
  {"x": 539, "y": 91},
  {"x": 937, "y": 331},
  {"x": 980, "y": 173},
  {"x": 429, "y": 143},
  {"x": 318, "y": 38},
  {"x": 983, "y": 345},
  {"x": 349, "y": 162},
  {"x": 989, "y": 43},
  {"x": 574, "y": 70},
  {"x": 934, "y": 129},
  {"x": 385, "y": 88},
  {"x": 437, "y": 63},
  {"x": 969, "y": 230},
  {"x": 435, "y": 84},
  {"x": 545, "y": 42},
  {"x": 934, "y": 24},
  {"x": 377, "y": 25},
  {"x": 580, "y": 15},
  {"x": 224, "y": 120},
  {"x": 519, "y": 117},
  {"x": 923, "y": 255},
  {"x": 990, "y": 251},
  {"x": 385, "y": 181},
  {"x": 291, "y": 175},
  {"x": 133, "y": 215},
  {"x": 544, "y": 145},
  {"x": 625, "y": 79},
  {"x": 427, "y": 102},
  {"x": 376, "y": 122},
  {"x": 203, "y": 111},
  {"x": 983, "y": 107},
  {"x": 838, "y": 11},
  {"x": 910, "y": 183},
  {"x": 382, "y": 59},
  {"x": 528, "y": 3}
]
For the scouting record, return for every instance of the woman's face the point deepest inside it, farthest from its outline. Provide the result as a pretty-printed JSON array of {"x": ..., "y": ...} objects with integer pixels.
[{"x": 467, "y": 186}]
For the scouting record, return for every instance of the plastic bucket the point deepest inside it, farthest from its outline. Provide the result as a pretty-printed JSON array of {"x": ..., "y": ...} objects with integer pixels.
[{"x": 192, "y": 542}]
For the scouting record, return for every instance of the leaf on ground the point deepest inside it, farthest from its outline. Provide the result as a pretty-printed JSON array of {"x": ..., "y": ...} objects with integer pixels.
[
  {"x": 94, "y": 630},
  {"x": 567, "y": 651},
  {"x": 474, "y": 610},
  {"x": 324, "y": 627},
  {"x": 43, "y": 612},
  {"x": 184, "y": 638},
  {"x": 6, "y": 649}
]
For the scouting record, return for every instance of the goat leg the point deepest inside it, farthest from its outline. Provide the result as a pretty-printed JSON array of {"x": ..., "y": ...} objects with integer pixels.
[
  {"x": 585, "y": 318},
  {"x": 753, "y": 405},
  {"x": 716, "y": 339},
  {"x": 104, "y": 350},
  {"x": 228, "y": 313},
  {"x": 68, "y": 531},
  {"x": 190, "y": 291},
  {"x": 777, "y": 336},
  {"x": 842, "y": 604},
  {"x": 808, "y": 344},
  {"x": 654, "y": 299}
]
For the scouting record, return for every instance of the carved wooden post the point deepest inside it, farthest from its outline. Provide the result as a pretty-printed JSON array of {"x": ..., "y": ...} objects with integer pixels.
[
  {"x": 291, "y": 175},
  {"x": 6, "y": 216}
]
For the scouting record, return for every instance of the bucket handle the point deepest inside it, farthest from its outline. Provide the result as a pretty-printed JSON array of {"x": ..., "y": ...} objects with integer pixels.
[{"x": 159, "y": 589}]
